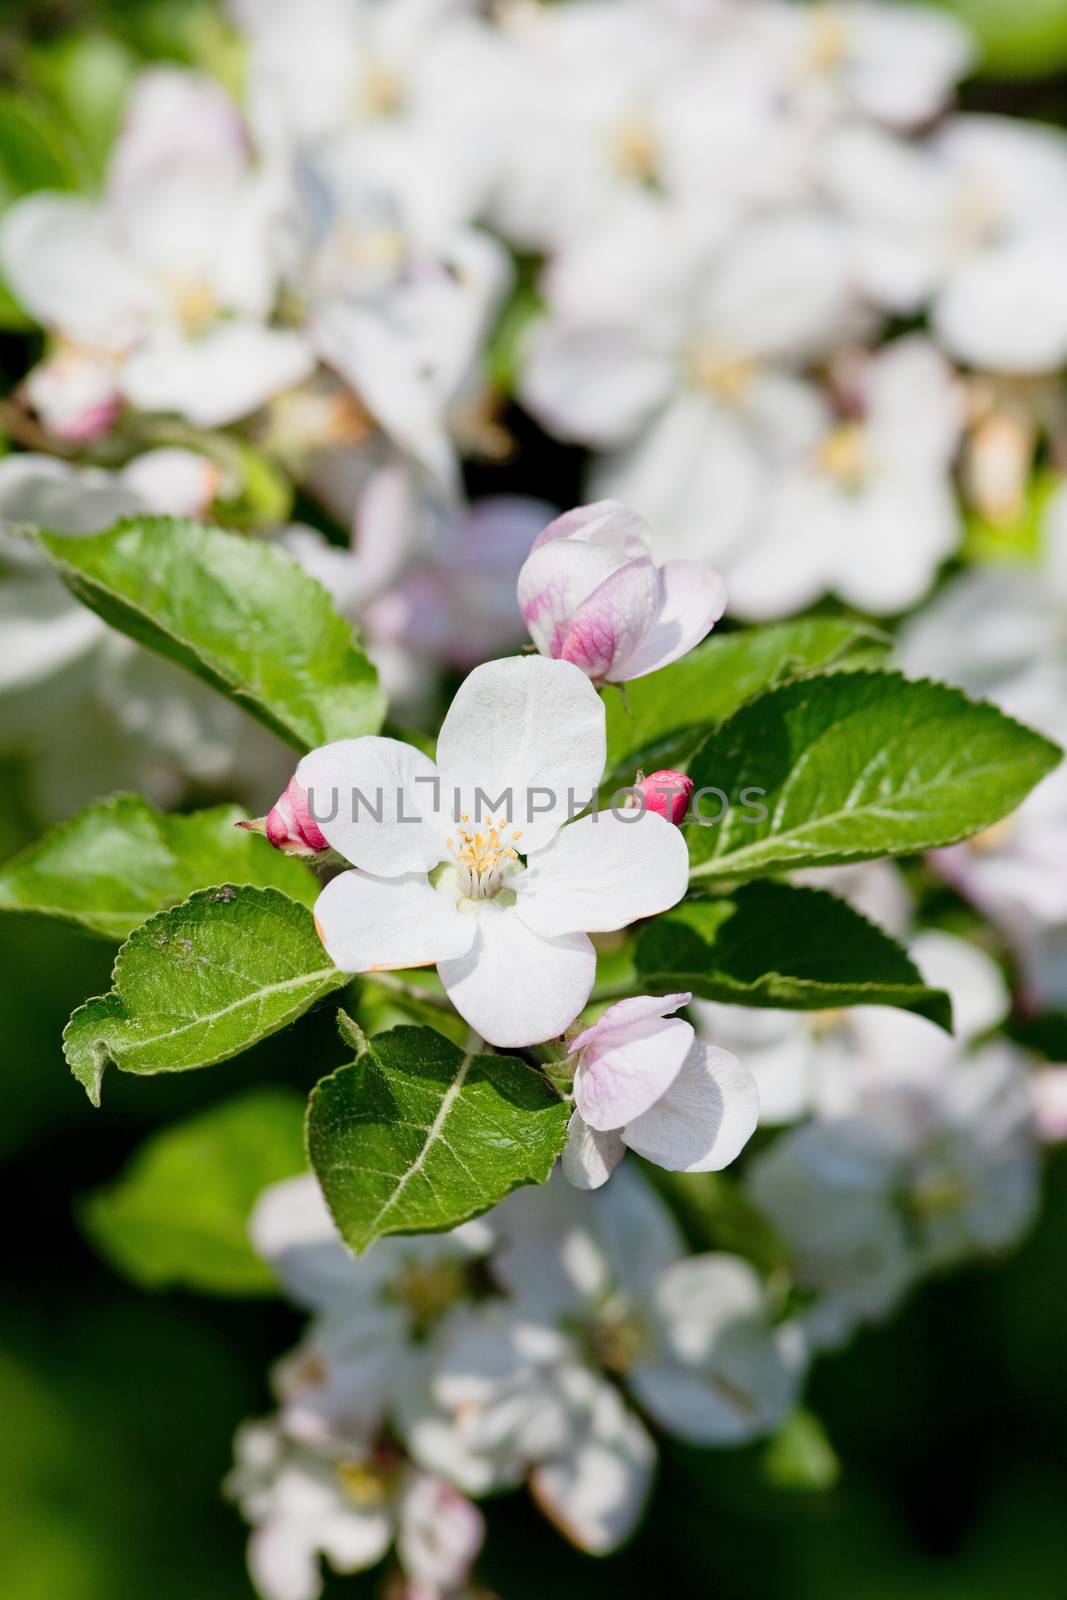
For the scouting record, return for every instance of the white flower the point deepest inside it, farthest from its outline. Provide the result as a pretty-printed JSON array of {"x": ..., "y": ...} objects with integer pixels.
[
  {"x": 871, "y": 513},
  {"x": 590, "y": 593},
  {"x": 928, "y": 1158},
  {"x": 893, "y": 64},
  {"x": 169, "y": 277},
  {"x": 690, "y": 1336},
  {"x": 338, "y": 1386},
  {"x": 510, "y": 1398},
  {"x": 685, "y": 365},
  {"x": 972, "y": 221},
  {"x": 304, "y": 1506},
  {"x": 441, "y": 881},
  {"x": 643, "y": 1081}
]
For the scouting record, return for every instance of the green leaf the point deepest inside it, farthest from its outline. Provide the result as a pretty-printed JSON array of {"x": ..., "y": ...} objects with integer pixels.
[
  {"x": 120, "y": 860},
  {"x": 35, "y": 151},
  {"x": 770, "y": 944},
  {"x": 178, "y": 1214},
  {"x": 800, "y": 1456},
  {"x": 200, "y": 983},
  {"x": 852, "y": 766},
  {"x": 671, "y": 711},
  {"x": 240, "y": 614},
  {"x": 418, "y": 1135}
]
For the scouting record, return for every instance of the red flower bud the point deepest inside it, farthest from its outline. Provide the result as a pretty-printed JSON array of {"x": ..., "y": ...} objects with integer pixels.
[
  {"x": 290, "y": 825},
  {"x": 666, "y": 793}
]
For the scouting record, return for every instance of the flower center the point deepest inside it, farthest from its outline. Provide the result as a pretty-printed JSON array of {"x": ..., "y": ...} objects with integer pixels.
[
  {"x": 483, "y": 856},
  {"x": 193, "y": 300},
  {"x": 830, "y": 39},
  {"x": 427, "y": 1290},
  {"x": 366, "y": 1483},
  {"x": 635, "y": 148},
  {"x": 616, "y": 1337},
  {"x": 843, "y": 455},
  {"x": 720, "y": 370},
  {"x": 382, "y": 90}
]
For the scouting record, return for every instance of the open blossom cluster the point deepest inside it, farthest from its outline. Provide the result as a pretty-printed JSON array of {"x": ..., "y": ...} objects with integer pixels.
[
  {"x": 542, "y": 1345},
  {"x": 551, "y": 1341},
  {"x": 723, "y": 212}
]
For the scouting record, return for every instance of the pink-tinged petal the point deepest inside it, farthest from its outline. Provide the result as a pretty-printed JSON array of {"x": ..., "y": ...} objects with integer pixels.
[
  {"x": 609, "y": 626},
  {"x": 693, "y": 600},
  {"x": 618, "y": 1022},
  {"x": 667, "y": 793},
  {"x": 553, "y": 583},
  {"x": 590, "y": 1158},
  {"x": 705, "y": 1119},
  {"x": 378, "y": 924},
  {"x": 290, "y": 825},
  {"x": 375, "y": 800},
  {"x": 515, "y": 987},
  {"x": 1048, "y": 1088},
  {"x": 604, "y": 522},
  {"x": 617, "y": 1080},
  {"x": 602, "y": 873}
]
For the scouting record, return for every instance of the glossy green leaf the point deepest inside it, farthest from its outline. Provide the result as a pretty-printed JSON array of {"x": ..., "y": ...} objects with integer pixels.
[
  {"x": 664, "y": 717},
  {"x": 770, "y": 944},
  {"x": 200, "y": 983},
  {"x": 121, "y": 860},
  {"x": 417, "y": 1135},
  {"x": 852, "y": 766},
  {"x": 239, "y": 613},
  {"x": 178, "y": 1214}
]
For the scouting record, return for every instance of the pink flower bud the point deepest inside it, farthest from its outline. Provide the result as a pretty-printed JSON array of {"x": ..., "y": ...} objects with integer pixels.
[
  {"x": 290, "y": 825},
  {"x": 666, "y": 793},
  {"x": 590, "y": 593}
]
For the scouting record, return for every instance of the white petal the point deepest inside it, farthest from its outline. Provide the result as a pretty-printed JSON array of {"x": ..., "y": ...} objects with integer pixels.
[
  {"x": 293, "y": 1231},
  {"x": 693, "y": 600},
  {"x": 705, "y": 1119},
  {"x": 590, "y": 1158},
  {"x": 595, "y": 1491},
  {"x": 383, "y": 792},
  {"x": 66, "y": 267},
  {"x": 593, "y": 385},
  {"x": 1007, "y": 309},
  {"x": 616, "y": 1083},
  {"x": 530, "y": 729},
  {"x": 373, "y": 924},
  {"x": 515, "y": 987},
  {"x": 283, "y": 1561},
  {"x": 226, "y": 373},
  {"x": 604, "y": 872}
]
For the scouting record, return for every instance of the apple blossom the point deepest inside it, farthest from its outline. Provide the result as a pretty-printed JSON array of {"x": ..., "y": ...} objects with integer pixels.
[
  {"x": 304, "y": 1506},
  {"x": 590, "y": 593},
  {"x": 169, "y": 277},
  {"x": 870, "y": 514},
  {"x": 690, "y": 371},
  {"x": 289, "y": 825},
  {"x": 362, "y": 1350},
  {"x": 440, "y": 879},
  {"x": 643, "y": 1081},
  {"x": 972, "y": 221},
  {"x": 690, "y": 1336}
]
